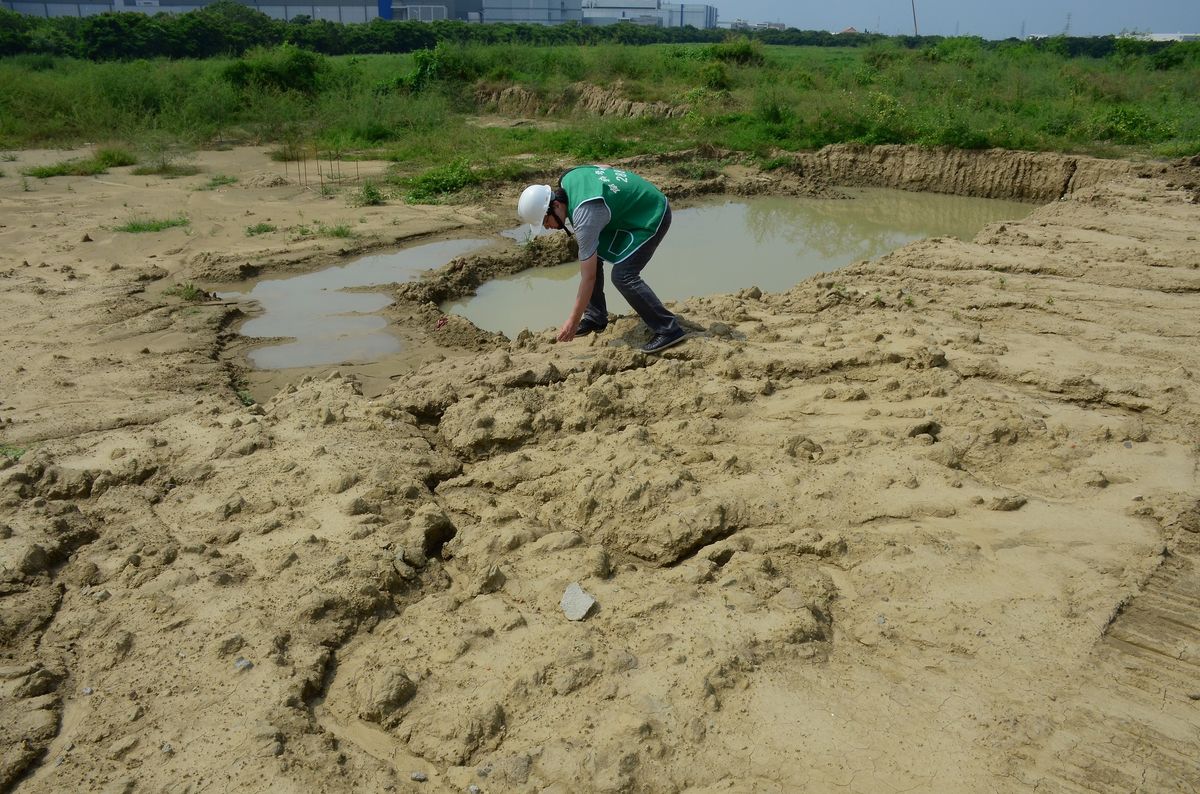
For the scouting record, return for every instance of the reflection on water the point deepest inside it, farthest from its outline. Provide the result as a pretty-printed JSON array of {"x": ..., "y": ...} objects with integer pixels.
[
  {"x": 330, "y": 326},
  {"x": 772, "y": 243}
]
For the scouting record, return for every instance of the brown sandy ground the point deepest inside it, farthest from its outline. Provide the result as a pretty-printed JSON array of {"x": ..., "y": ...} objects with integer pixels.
[{"x": 932, "y": 526}]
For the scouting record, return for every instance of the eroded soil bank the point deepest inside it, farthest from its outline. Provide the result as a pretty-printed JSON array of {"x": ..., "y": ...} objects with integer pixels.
[{"x": 942, "y": 538}]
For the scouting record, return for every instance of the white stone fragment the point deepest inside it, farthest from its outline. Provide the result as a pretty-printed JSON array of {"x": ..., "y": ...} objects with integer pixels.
[{"x": 576, "y": 603}]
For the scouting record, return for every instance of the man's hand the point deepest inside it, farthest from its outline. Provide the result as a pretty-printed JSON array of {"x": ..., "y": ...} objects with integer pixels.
[
  {"x": 567, "y": 332},
  {"x": 587, "y": 279}
]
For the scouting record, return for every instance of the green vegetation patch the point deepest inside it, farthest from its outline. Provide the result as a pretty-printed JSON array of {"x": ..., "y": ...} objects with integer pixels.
[
  {"x": 139, "y": 225},
  {"x": 441, "y": 182},
  {"x": 419, "y": 105},
  {"x": 697, "y": 169},
  {"x": 259, "y": 228},
  {"x": 322, "y": 229},
  {"x": 11, "y": 452},
  {"x": 98, "y": 163},
  {"x": 219, "y": 180},
  {"x": 188, "y": 292},
  {"x": 369, "y": 195},
  {"x": 283, "y": 68},
  {"x": 337, "y": 230},
  {"x": 168, "y": 170}
]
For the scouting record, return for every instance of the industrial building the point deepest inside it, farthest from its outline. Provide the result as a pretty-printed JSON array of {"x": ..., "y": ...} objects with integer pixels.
[
  {"x": 331, "y": 10},
  {"x": 541, "y": 12},
  {"x": 649, "y": 12},
  {"x": 532, "y": 12}
]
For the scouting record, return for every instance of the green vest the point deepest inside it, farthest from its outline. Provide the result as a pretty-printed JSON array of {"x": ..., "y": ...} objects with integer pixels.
[{"x": 637, "y": 207}]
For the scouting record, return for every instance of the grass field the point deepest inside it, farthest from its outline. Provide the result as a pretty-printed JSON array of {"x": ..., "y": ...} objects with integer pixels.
[{"x": 415, "y": 109}]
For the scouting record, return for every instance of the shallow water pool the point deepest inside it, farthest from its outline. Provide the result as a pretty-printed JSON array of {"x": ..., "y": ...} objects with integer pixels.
[
  {"x": 329, "y": 325},
  {"x": 726, "y": 245}
]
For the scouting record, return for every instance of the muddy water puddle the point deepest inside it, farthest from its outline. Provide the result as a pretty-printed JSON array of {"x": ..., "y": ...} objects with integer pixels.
[
  {"x": 325, "y": 323},
  {"x": 727, "y": 245}
]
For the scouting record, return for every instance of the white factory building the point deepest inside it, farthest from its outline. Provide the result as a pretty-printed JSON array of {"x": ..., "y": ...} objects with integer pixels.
[
  {"x": 658, "y": 13},
  {"x": 649, "y": 12}
]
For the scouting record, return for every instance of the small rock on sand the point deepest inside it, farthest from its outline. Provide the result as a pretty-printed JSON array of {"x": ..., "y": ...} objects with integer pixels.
[
  {"x": 1006, "y": 504},
  {"x": 576, "y": 603}
]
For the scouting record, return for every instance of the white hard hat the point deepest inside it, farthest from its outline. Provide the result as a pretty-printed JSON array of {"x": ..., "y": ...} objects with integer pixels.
[{"x": 534, "y": 204}]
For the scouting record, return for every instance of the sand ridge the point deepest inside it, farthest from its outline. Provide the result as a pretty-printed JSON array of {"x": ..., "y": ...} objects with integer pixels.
[{"x": 925, "y": 525}]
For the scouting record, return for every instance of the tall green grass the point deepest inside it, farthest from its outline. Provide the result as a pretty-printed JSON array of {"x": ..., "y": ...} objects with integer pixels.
[{"x": 417, "y": 109}]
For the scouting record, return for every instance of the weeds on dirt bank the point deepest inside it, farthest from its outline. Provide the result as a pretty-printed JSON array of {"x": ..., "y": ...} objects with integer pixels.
[
  {"x": 457, "y": 176},
  {"x": 12, "y": 453},
  {"x": 219, "y": 180},
  {"x": 140, "y": 225},
  {"x": 322, "y": 229},
  {"x": 188, "y": 292},
  {"x": 99, "y": 163},
  {"x": 421, "y": 109},
  {"x": 369, "y": 195}
]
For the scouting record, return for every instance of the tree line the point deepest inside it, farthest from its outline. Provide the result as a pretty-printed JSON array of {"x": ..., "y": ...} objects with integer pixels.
[{"x": 228, "y": 28}]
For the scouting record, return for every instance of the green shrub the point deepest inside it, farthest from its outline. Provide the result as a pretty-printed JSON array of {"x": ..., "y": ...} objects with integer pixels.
[
  {"x": 188, "y": 292},
  {"x": 770, "y": 108},
  {"x": 697, "y": 169},
  {"x": 283, "y": 68},
  {"x": 168, "y": 170},
  {"x": 593, "y": 143},
  {"x": 1125, "y": 124},
  {"x": 741, "y": 51},
  {"x": 958, "y": 134},
  {"x": 259, "y": 228},
  {"x": 114, "y": 157},
  {"x": 66, "y": 168},
  {"x": 140, "y": 225},
  {"x": 961, "y": 51},
  {"x": 882, "y": 55},
  {"x": 102, "y": 160},
  {"x": 436, "y": 182},
  {"x": 369, "y": 195},
  {"x": 289, "y": 152},
  {"x": 218, "y": 180},
  {"x": 11, "y": 452},
  {"x": 715, "y": 76},
  {"x": 340, "y": 230}
]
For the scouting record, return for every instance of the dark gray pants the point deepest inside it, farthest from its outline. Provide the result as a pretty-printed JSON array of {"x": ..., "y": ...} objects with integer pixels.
[{"x": 627, "y": 278}]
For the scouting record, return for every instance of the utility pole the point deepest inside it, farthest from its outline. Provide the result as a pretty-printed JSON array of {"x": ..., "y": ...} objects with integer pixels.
[
  {"x": 1066, "y": 29},
  {"x": 914, "y": 8}
]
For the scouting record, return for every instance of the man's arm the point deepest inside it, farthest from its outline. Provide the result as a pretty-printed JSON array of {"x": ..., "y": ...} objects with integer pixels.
[
  {"x": 590, "y": 219},
  {"x": 587, "y": 281}
]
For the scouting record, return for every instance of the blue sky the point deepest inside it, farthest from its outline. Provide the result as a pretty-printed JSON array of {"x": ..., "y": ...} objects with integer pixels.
[{"x": 995, "y": 19}]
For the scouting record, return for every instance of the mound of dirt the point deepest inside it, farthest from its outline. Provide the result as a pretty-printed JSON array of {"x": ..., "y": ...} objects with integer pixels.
[{"x": 580, "y": 97}]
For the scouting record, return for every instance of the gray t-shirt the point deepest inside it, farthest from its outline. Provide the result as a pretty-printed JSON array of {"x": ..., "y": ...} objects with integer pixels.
[{"x": 590, "y": 218}]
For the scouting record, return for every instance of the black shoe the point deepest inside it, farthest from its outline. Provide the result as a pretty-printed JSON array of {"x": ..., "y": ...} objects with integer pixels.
[
  {"x": 661, "y": 342},
  {"x": 587, "y": 326}
]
